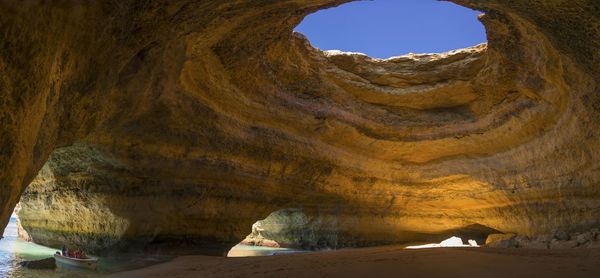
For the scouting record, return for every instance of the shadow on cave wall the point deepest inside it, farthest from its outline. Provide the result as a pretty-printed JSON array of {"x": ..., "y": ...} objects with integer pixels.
[
  {"x": 87, "y": 197},
  {"x": 293, "y": 228}
]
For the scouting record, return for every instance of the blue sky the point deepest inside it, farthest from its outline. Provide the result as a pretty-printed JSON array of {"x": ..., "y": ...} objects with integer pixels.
[{"x": 385, "y": 28}]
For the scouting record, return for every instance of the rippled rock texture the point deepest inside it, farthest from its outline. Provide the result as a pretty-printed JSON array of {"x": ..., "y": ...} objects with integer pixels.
[
  {"x": 292, "y": 228},
  {"x": 188, "y": 121}
]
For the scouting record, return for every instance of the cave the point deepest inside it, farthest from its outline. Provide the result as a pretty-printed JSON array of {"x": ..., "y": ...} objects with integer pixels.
[{"x": 173, "y": 126}]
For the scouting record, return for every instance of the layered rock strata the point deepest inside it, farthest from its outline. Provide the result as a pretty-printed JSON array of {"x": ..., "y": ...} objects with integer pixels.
[
  {"x": 292, "y": 228},
  {"x": 558, "y": 240},
  {"x": 190, "y": 120}
]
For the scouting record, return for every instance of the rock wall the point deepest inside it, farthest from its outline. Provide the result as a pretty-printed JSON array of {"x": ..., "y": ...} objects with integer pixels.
[
  {"x": 190, "y": 120},
  {"x": 292, "y": 228}
]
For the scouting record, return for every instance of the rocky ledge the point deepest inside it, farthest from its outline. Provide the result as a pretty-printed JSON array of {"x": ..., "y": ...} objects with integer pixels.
[{"x": 558, "y": 240}]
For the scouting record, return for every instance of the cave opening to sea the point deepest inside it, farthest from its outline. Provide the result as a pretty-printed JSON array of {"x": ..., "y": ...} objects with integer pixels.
[
  {"x": 387, "y": 28},
  {"x": 284, "y": 231}
]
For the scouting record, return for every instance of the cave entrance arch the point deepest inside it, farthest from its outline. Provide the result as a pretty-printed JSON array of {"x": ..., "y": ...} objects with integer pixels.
[
  {"x": 293, "y": 230},
  {"x": 386, "y": 28},
  {"x": 109, "y": 202},
  {"x": 286, "y": 231}
]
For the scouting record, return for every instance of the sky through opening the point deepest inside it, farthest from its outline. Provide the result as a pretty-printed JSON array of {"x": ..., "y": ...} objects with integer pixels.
[{"x": 386, "y": 28}]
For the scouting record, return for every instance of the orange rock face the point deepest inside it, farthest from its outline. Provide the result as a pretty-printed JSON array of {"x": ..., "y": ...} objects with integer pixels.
[{"x": 190, "y": 120}]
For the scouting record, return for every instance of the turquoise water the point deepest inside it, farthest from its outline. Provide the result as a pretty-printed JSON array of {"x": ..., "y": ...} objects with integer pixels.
[{"x": 14, "y": 250}]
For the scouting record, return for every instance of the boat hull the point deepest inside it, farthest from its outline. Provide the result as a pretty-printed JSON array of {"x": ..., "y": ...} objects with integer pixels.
[{"x": 90, "y": 263}]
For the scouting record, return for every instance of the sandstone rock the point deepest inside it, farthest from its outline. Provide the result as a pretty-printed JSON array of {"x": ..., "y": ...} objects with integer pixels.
[
  {"x": 583, "y": 237},
  {"x": 501, "y": 241},
  {"x": 522, "y": 240},
  {"x": 534, "y": 243},
  {"x": 260, "y": 241},
  {"x": 595, "y": 233},
  {"x": 293, "y": 228},
  {"x": 563, "y": 244},
  {"x": 188, "y": 121},
  {"x": 48, "y": 263},
  {"x": 592, "y": 244},
  {"x": 21, "y": 232},
  {"x": 495, "y": 237},
  {"x": 562, "y": 235},
  {"x": 544, "y": 238},
  {"x": 538, "y": 242}
]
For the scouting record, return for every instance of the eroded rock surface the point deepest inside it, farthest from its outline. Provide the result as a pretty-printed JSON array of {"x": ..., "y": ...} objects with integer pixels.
[
  {"x": 191, "y": 120},
  {"x": 557, "y": 240},
  {"x": 293, "y": 228}
]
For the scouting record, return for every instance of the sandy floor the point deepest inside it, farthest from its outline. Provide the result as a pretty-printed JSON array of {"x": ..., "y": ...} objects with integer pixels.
[{"x": 389, "y": 261}]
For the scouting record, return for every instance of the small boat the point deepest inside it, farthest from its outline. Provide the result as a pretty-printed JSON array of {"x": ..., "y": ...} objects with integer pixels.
[{"x": 90, "y": 263}]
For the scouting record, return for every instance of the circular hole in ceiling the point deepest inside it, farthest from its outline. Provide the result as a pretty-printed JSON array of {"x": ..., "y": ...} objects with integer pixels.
[{"x": 386, "y": 28}]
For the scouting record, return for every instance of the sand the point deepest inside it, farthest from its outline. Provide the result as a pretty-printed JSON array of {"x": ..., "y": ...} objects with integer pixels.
[{"x": 388, "y": 261}]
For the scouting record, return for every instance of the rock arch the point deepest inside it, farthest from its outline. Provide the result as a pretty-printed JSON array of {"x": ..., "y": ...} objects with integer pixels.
[{"x": 221, "y": 103}]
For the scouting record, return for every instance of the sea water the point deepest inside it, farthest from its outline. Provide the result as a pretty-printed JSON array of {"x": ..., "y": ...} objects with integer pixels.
[{"x": 14, "y": 250}]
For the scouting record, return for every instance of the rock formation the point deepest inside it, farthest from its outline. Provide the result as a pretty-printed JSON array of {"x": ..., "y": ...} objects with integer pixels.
[
  {"x": 160, "y": 121},
  {"x": 292, "y": 228},
  {"x": 49, "y": 263},
  {"x": 558, "y": 240}
]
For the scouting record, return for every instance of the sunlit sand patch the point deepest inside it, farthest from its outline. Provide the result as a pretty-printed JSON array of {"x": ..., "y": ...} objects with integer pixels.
[{"x": 451, "y": 242}]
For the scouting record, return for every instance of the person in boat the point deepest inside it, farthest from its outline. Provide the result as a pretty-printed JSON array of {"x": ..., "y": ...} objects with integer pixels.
[{"x": 77, "y": 254}]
